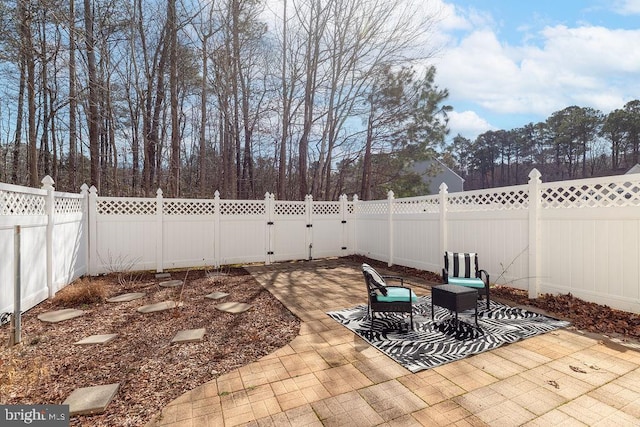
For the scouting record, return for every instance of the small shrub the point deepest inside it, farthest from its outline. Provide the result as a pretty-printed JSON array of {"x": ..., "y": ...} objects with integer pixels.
[{"x": 81, "y": 292}]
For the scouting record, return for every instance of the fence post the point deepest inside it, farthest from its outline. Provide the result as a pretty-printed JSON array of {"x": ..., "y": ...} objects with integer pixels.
[
  {"x": 216, "y": 229},
  {"x": 84, "y": 192},
  {"x": 443, "y": 218},
  {"x": 355, "y": 224},
  {"x": 160, "y": 238},
  {"x": 534, "y": 233},
  {"x": 93, "y": 231},
  {"x": 308, "y": 207},
  {"x": 268, "y": 211},
  {"x": 47, "y": 184},
  {"x": 343, "y": 220},
  {"x": 390, "y": 225}
]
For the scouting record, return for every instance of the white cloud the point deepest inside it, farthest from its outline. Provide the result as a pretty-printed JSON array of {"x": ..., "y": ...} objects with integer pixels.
[
  {"x": 627, "y": 7},
  {"x": 467, "y": 124},
  {"x": 587, "y": 66}
]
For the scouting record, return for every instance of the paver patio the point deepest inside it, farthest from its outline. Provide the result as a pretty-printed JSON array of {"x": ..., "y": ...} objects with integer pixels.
[{"x": 329, "y": 376}]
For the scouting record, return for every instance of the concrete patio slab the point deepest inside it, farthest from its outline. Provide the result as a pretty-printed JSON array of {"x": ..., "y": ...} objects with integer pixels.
[
  {"x": 159, "y": 306},
  {"x": 171, "y": 284},
  {"x": 189, "y": 335},
  {"x": 126, "y": 297},
  {"x": 91, "y": 400},
  {"x": 233, "y": 307},
  {"x": 60, "y": 315},
  {"x": 216, "y": 295},
  {"x": 97, "y": 339}
]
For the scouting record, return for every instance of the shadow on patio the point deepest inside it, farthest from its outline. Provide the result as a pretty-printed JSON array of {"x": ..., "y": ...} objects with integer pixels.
[{"x": 329, "y": 376}]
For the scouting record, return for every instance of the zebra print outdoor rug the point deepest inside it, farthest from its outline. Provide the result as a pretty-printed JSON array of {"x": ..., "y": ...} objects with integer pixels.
[{"x": 434, "y": 343}]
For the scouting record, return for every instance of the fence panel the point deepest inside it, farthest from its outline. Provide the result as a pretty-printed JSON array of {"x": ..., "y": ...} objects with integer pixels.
[
  {"x": 243, "y": 231},
  {"x": 188, "y": 233},
  {"x": 24, "y": 207},
  {"x": 291, "y": 236},
  {"x": 69, "y": 239},
  {"x": 372, "y": 229},
  {"x": 416, "y": 232},
  {"x": 328, "y": 237},
  {"x": 126, "y": 234},
  {"x": 590, "y": 238}
]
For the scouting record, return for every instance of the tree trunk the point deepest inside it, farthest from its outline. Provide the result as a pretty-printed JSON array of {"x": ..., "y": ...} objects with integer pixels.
[
  {"x": 19, "y": 119},
  {"x": 72, "y": 174},
  {"x": 92, "y": 115},
  {"x": 174, "y": 163}
]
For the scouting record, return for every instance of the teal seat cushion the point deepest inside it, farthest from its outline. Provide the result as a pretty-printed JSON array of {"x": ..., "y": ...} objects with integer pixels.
[
  {"x": 395, "y": 294},
  {"x": 468, "y": 282}
]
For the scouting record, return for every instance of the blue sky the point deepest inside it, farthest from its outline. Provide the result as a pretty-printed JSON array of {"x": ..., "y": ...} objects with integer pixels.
[{"x": 507, "y": 63}]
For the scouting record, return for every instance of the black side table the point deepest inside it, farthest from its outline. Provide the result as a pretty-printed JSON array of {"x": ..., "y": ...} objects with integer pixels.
[{"x": 454, "y": 298}]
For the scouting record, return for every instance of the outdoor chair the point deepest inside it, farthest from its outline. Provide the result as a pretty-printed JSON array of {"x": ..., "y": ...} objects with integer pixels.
[
  {"x": 462, "y": 269},
  {"x": 383, "y": 298}
]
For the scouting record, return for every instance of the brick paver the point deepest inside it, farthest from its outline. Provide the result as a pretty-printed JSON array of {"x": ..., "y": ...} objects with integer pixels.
[{"x": 327, "y": 376}]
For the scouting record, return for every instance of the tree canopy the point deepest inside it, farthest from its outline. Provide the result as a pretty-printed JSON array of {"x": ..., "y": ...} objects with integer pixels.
[
  {"x": 576, "y": 142},
  {"x": 228, "y": 95}
]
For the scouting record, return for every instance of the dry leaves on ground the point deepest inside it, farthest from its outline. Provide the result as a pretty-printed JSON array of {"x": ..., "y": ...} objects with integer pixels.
[{"x": 151, "y": 371}]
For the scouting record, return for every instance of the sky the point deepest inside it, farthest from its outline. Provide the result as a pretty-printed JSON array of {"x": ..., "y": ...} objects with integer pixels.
[{"x": 507, "y": 63}]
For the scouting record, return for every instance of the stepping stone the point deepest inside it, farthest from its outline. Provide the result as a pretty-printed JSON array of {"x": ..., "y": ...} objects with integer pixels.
[
  {"x": 91, "y": 400},
  {"x": 97, "y": 339},
  {"x": 189, "y": 335},
  {"x": 216, "y": 295},
  {"x": 233, "y": 307},
  {"x": 163, "y": 275},
  {"x": 60, "y": 315},
  {"x": 159, "y": 306},
  {"x": 171, "y": 284},
  {"x": 126, "y": 297}
]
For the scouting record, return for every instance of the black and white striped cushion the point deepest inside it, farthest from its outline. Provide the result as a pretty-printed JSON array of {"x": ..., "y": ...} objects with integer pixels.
[{"x": 461, "y": 264}]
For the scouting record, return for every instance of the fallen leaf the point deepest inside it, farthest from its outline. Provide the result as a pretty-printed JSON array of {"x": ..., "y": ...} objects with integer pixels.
[
  {"x": 553, "y": 383},
  {"x": 577, "y": 369}
]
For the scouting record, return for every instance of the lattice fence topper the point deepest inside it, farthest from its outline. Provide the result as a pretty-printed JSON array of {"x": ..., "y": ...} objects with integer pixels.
[
  {"x": 67, "y": 205},
  {"x": 615, "y": 194},
  {"x": 290, "y": 208},
  {"x": 12, "y": 203},
  {"x": 411, "y": 206},
  {"x": 329, "y": 208},
  {"x": 244, "y": 208},
  {"x": 484, "y": 201},
  {"x": 373, "y": 207},
  {"x": 188, "y": 207},
  {"x": 121, "y": 206}
]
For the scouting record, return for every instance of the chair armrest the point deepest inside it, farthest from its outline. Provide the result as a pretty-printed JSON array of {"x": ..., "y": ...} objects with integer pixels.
[
  {"x": 486, "y": 277},
  {"x": 401, "y": 279}
]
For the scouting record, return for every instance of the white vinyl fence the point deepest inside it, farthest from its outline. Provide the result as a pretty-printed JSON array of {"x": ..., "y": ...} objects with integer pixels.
[
  {"x": 580, "y": 237},
  {"x": 159, "y": 234},
  {"x": 49, "y": 227}
]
